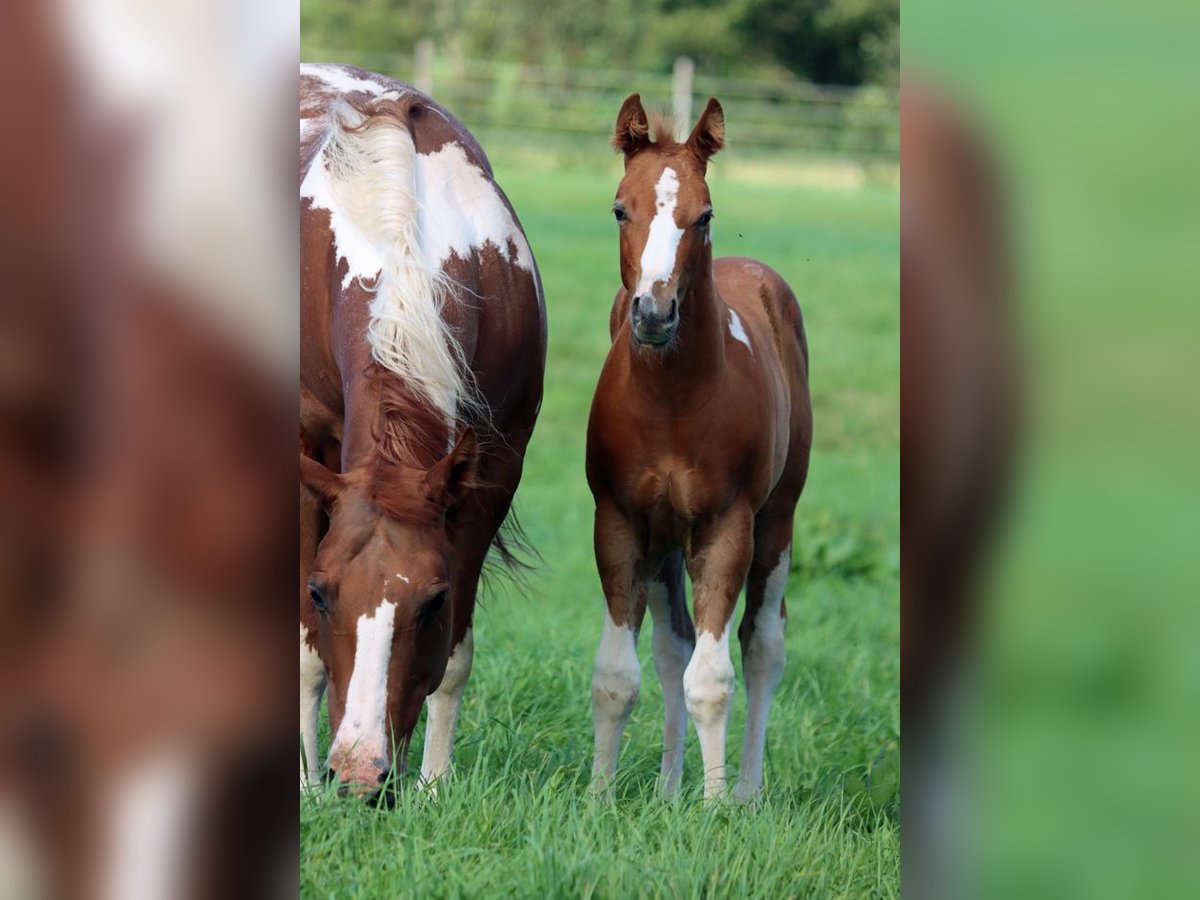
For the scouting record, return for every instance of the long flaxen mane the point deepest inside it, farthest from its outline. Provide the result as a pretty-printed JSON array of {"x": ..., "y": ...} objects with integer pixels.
[{"x": 371, "y": 162}]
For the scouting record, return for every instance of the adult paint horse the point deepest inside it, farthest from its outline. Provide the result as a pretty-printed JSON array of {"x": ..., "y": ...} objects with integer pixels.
[
  {"x": 423, "y": 340},
  {"x": 698, "y": 449}
]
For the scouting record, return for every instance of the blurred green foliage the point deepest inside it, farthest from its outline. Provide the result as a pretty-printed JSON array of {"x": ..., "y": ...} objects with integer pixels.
[{"x": 849, "y": 42}]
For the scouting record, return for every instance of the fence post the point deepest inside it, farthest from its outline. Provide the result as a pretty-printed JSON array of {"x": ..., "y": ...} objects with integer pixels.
[
  {"x": 681, "y": 91},
  {"x": 423, "y": 66}
]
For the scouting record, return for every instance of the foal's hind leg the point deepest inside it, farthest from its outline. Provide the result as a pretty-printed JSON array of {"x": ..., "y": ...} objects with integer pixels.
[
  {"x": 761, "y": 636},
  {"x": 616, "y": 678},
  {"x": 674, "y": 640}
]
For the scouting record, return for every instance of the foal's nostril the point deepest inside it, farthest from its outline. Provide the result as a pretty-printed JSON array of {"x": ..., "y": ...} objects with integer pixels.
[
  {"x": 671, "y": 314},
  {"x": 637, "y": 307}
]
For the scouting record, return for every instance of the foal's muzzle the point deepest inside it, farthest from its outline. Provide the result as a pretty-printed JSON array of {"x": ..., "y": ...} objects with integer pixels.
[{"x": 654, "y": 321}]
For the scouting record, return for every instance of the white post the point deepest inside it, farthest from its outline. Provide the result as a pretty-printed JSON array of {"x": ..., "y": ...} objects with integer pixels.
[
  {"x": 681, "y": 91},
  {"x": 423, "y": 66}
]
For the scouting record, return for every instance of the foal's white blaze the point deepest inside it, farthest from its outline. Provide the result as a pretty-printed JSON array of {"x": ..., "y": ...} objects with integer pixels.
[
  {"x": 615, "y": 682},
  {"x": 736, "y": 329},
  {"x": 361, "y": 740},
  {"x": 312, "y": 686},
  {"x": 460, "y": 210},
  {"x": 708, "y": 688},
  {"x": 671, "y": 656},
  {"x": 147, "y": 831},
  {"x": 662, "y": 244},
  {"x": 442, "y": 711},
  {"x": 763, "y": 667}
]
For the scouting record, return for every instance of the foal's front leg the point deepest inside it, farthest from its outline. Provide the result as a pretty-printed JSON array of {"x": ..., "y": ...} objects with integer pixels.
[
  {"x": 718, "y": 564},
  {"x": 616, "y": 677}
]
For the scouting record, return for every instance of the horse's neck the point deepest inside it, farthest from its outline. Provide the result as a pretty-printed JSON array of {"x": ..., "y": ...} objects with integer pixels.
[
  {"x": 698, "y": 357},
  {"x": 383, "y": 419}
]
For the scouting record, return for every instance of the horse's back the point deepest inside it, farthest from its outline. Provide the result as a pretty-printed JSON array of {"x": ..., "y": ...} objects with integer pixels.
[
  {"x": 467, "y": 238},
  {"x": 760, "y": 295}
]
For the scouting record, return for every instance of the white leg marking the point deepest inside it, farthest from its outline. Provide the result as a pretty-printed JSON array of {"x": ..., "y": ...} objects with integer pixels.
[
  {"x": 147, "y": 831},
  {"x": 708, "y": 688},
  {"x": 671, "y": 656},
  {"x": 616, "y": 680},
  {"x": 360, "y": 747},
  {"x": 312, "y": 687},
  {"x": 442, "y": 711},
  {"x": 763, "y": 667},
  {"x": 662, "y": 243}
]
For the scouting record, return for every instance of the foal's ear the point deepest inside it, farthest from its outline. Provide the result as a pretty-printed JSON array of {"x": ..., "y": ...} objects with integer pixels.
[
  {"x": 455, "y": 474},
  {"x": 320, "y": 480},
  {"x": 632, "y": 133},
  {"x": 709, "y": 134}
]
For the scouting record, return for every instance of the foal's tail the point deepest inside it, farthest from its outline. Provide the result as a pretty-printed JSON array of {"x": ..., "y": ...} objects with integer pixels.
[{"x": 374, "y": 177}]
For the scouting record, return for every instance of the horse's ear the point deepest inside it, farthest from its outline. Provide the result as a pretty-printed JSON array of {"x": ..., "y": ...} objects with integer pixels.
[
  {"x": 455, "y": 474},
  {"x": 320, "y": 480},
  {"x": 632, "y": 133},
  {"x": 709, "y": 134}
]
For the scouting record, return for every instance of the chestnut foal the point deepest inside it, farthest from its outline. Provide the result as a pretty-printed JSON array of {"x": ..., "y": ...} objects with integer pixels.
[{"x": 698, "y": 448}]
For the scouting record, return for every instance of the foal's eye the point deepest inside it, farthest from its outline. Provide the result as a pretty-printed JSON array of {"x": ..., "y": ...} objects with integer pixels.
[
  {"x": 619, "y": 214},
  {"x": 705, "y": 218},
  {"x": 318, "y": 596},
  {"x": 431, "y": 607}
]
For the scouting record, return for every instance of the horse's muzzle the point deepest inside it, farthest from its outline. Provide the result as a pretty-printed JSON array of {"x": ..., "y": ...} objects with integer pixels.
[{"x": 651, "y": 324}]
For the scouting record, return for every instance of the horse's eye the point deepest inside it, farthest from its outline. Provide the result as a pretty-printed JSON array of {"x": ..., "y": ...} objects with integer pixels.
[
  {"x": 318, "y": 596},
  {"x": 619, "y": 214},
  {"x": 705, "y": 218},
  {"x": 431, "y": 607}
]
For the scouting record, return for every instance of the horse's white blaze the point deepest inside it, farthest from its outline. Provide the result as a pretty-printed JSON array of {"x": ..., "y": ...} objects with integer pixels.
[
  {"x": 147, "y": 833},
  {"x": 442, "y": 711},
  {"x": 341, "y": 80},
  {"x": 662, "y": 243},
  {"x": 312, "y": 686},
  {"x": 616, "y": 679},
  {"x": 708, "y": 689},
  {"x": 736, "y": 329},
  {"x": 370, "y": 182},
  {"x": 461, "y": 211},
  {"x": 361, "y": 739},
  {"x": 671, "y": 656},
  {"x": 763, "y": 667}
]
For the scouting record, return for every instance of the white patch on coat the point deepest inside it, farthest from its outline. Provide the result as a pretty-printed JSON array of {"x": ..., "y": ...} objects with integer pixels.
[
  {"x": 708, "y": 688},
  {"x": 662, "y": 243},
  {"x": 361, "y": 739},
  {"x": 616, "y": 679},
  {"x": 671, "y": 656},
  {"x": 312, "y": 687},
  {"x": 461, "y": 210},
  {"x": 146, "y": 831},
  {"x": 762, "y": 665},
  {"x": 736, "y": 329},
  {"x": 343, "y": 81},
  {"x": 442, "y": 711},
  {"x": 368, "y": 179}
]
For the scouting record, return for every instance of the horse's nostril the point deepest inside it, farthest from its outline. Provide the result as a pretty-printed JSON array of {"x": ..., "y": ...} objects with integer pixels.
[
  {"x": 671, "y": 314},
  {"x": 637, "y": 306}
]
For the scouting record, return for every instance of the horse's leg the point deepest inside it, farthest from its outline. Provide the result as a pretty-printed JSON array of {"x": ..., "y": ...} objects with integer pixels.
[
  {"x": 476, "y": 524},
  {"x": 312, "y": 670},
  {"x": 761, "y": 633},
  {"x": 718, "y": 559},
  {"x": 674, "y": 639},
  {"x": 616, "y": 677}
]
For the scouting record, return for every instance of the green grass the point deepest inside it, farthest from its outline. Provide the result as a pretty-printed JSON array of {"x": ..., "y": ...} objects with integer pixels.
[{"x": 518, "y": 820}]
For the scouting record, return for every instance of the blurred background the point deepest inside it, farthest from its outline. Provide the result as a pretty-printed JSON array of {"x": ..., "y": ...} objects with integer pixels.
[{"x": 806, "y": 82}]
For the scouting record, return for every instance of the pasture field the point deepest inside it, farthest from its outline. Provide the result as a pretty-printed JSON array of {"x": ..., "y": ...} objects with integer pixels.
[{"x": 518, "y": 820}]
